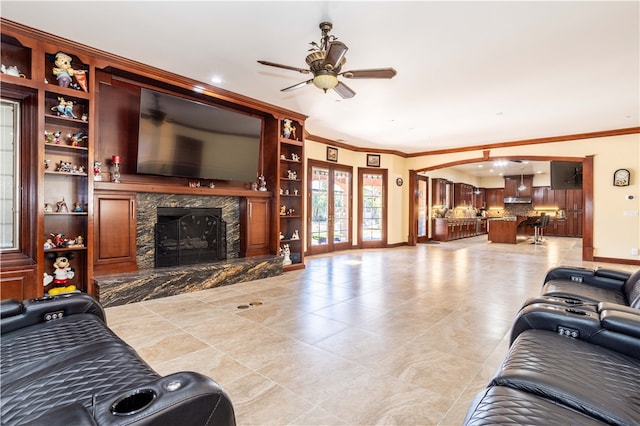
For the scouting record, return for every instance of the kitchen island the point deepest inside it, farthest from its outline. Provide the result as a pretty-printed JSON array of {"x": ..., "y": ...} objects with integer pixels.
[{"x": 504, "y": 230}]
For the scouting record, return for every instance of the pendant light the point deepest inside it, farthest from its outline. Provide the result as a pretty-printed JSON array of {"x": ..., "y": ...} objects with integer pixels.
[{"x": 522, "y": 187}]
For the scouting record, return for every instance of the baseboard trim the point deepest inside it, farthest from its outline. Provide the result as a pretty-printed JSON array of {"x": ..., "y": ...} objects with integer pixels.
[{"x": 616, "y": 260}]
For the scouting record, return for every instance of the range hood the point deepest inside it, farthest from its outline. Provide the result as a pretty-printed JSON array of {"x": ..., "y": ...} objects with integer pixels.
[{"x": 517, "y": 200}]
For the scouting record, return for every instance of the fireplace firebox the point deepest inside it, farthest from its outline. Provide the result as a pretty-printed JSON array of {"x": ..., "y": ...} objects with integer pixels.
[{"x": 187, "y": 236}]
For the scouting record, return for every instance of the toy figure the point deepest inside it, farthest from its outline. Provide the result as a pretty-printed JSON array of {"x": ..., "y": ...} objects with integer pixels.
[
  {"x": 62, "y": 206},
  {"x": 61, "y": 276},
  {"x": 295, "y": 235},
  {"x": 286, "y": 254},
  {"x": 62, "y": 69},
  {"x": 96, "y": 170},
  {"x": 287, "y": 129},
  {"x": 58, "y": 240},
  {"x": 283, "y": 210},
  {"x": 75, "y": 139},
  {"x": 262, "y": 183},
  {"x": 292, "y": 174},
  {"x": 68, "y": 110},
  {"x": 48, "y": 244}
]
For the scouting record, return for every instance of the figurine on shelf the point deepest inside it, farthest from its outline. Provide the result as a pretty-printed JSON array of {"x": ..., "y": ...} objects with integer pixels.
[
  {"x": 287, "y": 129},
  {"x": 97, "y": 176},
  {"x": 283, "y": 210},
  {"x": 75, "y": 139},
  {"x": 49, "y": 244},
  {"x": 62, "y": 69},
  {"x": 64, "y": 73},
  {"x": 295, "y": 235},
  {"x": 64, "y": 108},
  {"x": 286, "y": 255},
  {"x": 281, "y": 236},
  {"x": 262, "y": 183},
  {"x": 84, "y": 117},
  {"x": 291, "y": 174},
  {"x": 47, "y": 163},
  {"x": 77, "y": 242},
  {"x": 59, "y": 241},
  {"x": 62, "y": 273},
  {"x": 62, "y": 207},
  {"x": 295, "y": 192},
  {"x": 77, "y": 208},
  {"x": 290, "y": 212},
  {"x": 295, "y": 157},
  {"x": 48, "y": 208},
  {"x": 64, "y": 167}
]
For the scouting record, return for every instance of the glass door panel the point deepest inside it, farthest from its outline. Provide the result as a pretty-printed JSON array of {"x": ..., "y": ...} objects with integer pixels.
[
  {"x": 422, "y": 213},
  {"x": 373, "y": 206},
  {"x": 319, "y": 205},
  {"x": 330, "y": 214}
]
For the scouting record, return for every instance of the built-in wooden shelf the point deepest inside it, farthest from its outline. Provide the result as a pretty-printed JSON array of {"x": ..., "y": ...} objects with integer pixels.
[{"x": 179, "y": 189}]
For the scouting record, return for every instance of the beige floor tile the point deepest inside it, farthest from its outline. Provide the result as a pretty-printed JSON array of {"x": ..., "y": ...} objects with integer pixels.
[{"x": 402, "y": 336}]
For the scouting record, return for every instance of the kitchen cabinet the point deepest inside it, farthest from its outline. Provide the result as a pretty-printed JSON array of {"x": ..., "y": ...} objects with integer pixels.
[
  {"x": 439, "y": 192},
  {"x": 479, "y": 200},
  {"x": 495, "y": 198},
  {"x": 512, "y": 183},
  {"x": 453, "y": 229},
  {"x": 462, "y": 195}
]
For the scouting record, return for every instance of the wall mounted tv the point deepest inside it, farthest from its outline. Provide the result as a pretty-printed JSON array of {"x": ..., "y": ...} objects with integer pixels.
[
  {"x": 179, "y": 137},
  {"x": 566, "y": 174}
]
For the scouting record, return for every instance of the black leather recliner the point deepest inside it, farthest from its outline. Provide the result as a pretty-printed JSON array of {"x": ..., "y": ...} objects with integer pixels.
[
  {"x": 61, "y": 365},
  {"x": 571, "y": 360},
  {"x": 593, "y": 285}
]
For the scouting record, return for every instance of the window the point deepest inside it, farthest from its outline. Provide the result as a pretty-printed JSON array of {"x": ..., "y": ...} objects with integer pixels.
[{"x": 9, "y": 176}]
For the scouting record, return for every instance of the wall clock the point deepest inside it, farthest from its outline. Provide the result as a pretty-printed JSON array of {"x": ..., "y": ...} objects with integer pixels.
[
  {"x": 399, "y": 181},
  {"x": 621, "y": 177}
]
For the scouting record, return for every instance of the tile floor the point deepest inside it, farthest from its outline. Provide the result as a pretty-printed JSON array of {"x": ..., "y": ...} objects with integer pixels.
[{"x": 403, "y": 336}]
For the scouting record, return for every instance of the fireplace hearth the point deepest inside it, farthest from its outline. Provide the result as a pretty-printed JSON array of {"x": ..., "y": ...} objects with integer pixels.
[{"x": 187, "y": 236}]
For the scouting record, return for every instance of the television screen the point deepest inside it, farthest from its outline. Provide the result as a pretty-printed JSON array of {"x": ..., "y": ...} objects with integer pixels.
[
  {"x": 566, "y": 174},
  {"x": 179, "y": 137}
]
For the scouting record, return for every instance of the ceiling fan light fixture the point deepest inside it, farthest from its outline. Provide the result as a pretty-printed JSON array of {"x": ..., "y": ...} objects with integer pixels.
[{"x": 325, "y": 81}]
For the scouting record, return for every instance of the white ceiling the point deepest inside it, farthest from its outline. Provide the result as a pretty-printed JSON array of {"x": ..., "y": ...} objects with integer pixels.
[{"x": 469, "y": 73}]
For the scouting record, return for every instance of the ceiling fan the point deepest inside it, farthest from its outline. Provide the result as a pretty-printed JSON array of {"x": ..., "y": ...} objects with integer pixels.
[{"x": 325, "y": 63}]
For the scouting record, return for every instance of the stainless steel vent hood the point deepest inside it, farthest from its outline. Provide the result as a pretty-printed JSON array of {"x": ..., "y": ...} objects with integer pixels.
[{"x": 517, "y": 200}]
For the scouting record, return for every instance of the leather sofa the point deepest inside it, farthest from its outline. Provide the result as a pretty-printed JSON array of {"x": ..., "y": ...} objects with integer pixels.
[
  {"x": 62, "y": 365},
  {"x": 593, "y": 285},
  {"x": 570, "y": 361}
]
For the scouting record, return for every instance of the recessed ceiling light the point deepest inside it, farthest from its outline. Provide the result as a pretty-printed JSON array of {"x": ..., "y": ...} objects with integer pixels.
[{"x": 216, "y": 79}]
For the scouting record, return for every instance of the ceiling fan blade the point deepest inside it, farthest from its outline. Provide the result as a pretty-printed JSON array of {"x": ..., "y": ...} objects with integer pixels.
[
  {"x": 345, "y": 91},
  {"x": 335, "y": 54},
  {"x": 371, "y": 73},
  {"x": 296, "y": 86},
  {"x": 286, "y": 67}
]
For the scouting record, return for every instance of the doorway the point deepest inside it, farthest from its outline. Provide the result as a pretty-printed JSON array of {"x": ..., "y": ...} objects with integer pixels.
[
  {"x": 329, "y": 213},
  {"x": 372, "y": 208}
]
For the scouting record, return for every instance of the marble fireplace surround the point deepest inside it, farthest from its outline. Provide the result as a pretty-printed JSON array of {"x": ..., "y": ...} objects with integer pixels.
[{"x": 151, "y": 283}]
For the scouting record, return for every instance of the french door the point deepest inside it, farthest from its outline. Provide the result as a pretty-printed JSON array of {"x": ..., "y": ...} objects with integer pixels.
[
  {"x": 372, "y": 212},
  {"x": 329, "y": 213},
  {"x": 422, "y": 208}
]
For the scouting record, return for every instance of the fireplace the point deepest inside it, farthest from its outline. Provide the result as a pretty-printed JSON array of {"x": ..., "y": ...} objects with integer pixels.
[{"x": 187, "y": 236}]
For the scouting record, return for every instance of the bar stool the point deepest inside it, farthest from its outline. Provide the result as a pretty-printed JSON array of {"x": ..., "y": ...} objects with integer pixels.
[{"x": 538, "y": 227}]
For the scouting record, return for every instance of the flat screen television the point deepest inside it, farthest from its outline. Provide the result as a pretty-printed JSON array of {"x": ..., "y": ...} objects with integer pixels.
[
  {"x": 566, "y": 174},
  {"x": 179, "y": 137}
]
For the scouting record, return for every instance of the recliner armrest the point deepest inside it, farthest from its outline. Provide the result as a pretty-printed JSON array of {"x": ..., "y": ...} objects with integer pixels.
[
  {"x": 602, "y": 278},
  {"x": 49, "y": 308},
  {"x": 609, "y": 306},
  {"x": 621, "y": 322},
  {"x": 10, "y": 308}
]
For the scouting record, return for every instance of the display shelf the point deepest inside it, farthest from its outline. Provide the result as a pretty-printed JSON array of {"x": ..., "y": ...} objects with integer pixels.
[{"x": 16, "y": 58}]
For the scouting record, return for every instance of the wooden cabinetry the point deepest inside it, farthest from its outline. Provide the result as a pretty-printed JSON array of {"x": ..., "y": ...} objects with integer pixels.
[
  {"x": 114, "y": 232},
  {"x": 439, "y": 193},
  {"x": 60, "y": 155},
  {"x": 453, "y": 229},
  {"x": 494, "y": 198},
  {"x": 512, "y": 185},
  {"x": 254, "y": 214},
  {"x": 479, "y": 198},
  {"x": 290, "y": 193},
  {"x": 462, "y": 195}
]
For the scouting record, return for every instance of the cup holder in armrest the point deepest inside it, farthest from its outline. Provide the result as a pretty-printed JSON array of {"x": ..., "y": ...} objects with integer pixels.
[{"x": 133, "y": 402}]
